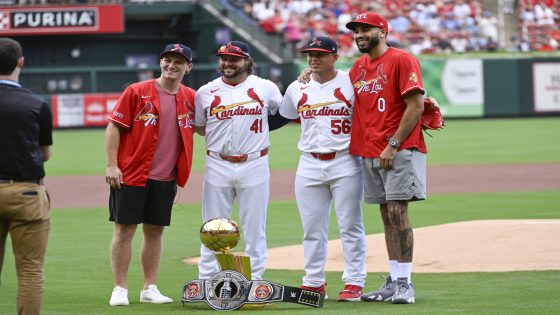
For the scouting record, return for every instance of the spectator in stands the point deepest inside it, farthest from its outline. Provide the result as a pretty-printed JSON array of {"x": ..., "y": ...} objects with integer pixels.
[
  {"x": 460, "y": 43},
  {"x": 399, "y": 24},
  {"x": 544, "y": 14},
  {"x": 293, "y": 35},
  {"x": 488, "y": 25}
]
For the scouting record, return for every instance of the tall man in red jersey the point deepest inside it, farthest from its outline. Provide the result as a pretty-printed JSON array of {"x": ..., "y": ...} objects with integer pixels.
[
  {"x": 386, "y": 134},
  {"x": 148, "y": 142}
]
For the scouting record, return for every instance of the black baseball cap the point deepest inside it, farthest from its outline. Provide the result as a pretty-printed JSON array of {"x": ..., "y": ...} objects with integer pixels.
[
  {"x": 235, "y": 48},
  {"x": 180, "y": 49},
  {"x": 320, "y": 44}
]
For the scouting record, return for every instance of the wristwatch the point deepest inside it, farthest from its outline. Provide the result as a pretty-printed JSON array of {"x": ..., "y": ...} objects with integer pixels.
[{"x": 394, "y": 143}]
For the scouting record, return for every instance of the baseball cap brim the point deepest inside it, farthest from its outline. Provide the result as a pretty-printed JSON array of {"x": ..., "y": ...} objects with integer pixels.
[
  {"x": 175, "y": 53},
  {"x": 232, "y": 54},
  {"x": 352, "y": 25},
  {"x": 317, "y": 49}
]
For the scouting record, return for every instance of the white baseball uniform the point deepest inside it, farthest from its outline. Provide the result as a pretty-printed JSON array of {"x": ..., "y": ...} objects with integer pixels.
[
  {"x": 326, "y": 173},
  {"x": 236, "y": 120}
]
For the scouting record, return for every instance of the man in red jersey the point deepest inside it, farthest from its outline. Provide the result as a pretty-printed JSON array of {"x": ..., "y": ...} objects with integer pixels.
[
  {"x": 148, "y": 143},
  {"x": 386, "y": 134}
]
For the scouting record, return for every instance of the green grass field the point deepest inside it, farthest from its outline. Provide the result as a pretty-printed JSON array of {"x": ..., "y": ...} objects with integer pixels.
[{"x": 78, "y": 276}]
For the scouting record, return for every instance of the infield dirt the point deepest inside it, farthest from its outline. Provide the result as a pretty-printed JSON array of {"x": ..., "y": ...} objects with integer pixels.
[{"x": 494, "y": 245}]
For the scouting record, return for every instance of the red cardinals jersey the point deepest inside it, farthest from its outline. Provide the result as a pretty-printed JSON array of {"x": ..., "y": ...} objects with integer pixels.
[
  {"x": 380, "y": 86},
  {"x": 138, "y": 110}
]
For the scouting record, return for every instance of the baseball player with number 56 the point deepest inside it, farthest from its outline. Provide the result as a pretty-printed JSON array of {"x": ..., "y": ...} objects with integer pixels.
[
  {"x": 327, "y": 172},
  {"x": 232, "y": 111}
]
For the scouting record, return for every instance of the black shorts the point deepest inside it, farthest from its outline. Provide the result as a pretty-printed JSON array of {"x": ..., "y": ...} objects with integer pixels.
[{"x": 150, "y": 204}]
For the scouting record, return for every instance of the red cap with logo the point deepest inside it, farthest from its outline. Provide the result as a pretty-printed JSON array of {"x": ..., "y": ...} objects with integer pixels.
[{"x": 369, "y": 18}]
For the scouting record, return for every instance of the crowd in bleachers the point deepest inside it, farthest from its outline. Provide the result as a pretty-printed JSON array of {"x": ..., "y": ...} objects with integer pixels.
[
  {"x": 420, "y": 26},
  {"x": 539, "y": 27}
]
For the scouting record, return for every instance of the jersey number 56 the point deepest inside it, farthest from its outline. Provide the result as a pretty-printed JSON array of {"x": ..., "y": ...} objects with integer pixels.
[{"x": 340, "y": 126}]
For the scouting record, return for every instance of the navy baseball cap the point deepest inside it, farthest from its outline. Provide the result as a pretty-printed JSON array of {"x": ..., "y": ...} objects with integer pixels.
[
  {"x": 320, "y": 44},
  {"x": 235, "y": 48},
  {"x": 371, "y": 19},
  {"x": 180, "y": 49}
]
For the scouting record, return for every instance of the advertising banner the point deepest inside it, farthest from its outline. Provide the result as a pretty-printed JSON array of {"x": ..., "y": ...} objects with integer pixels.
[
  {"x": 457, "y": 84},
  {"x": 82, "y": 110},
  {"x": 57, "y": 20},
  {"x": 546, "y": 87}
]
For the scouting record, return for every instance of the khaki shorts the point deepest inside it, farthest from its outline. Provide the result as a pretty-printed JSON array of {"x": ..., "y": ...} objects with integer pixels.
[{"x": 405, "y": 181}]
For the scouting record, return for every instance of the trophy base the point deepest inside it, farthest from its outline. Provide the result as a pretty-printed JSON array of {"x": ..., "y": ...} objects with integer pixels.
[
  {"x": 259, "y": 306},
  {"x": 241, "y": 264}
]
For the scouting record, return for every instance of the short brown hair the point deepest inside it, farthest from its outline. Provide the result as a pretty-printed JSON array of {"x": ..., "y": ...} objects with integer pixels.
[{"x": 10, "y": 52}]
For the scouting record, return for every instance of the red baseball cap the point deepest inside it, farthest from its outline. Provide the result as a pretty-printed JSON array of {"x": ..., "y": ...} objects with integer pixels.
[
  {"x": 369, "y": 18},
  {"x": 235, "y": 48}
]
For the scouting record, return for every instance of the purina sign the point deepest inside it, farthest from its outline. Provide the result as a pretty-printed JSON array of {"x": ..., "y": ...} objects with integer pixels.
[{"x": 61, "y": 20}]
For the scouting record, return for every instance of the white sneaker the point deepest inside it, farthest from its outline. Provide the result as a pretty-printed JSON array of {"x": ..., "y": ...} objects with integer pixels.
[
  {"x": 152, "y": 295},
  {"x": 119, "y": 297}
]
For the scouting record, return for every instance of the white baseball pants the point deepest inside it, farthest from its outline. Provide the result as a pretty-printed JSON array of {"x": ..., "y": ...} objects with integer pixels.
[
  {"x": 250, "y": 182},
  {"x": 318, "y": 183}
]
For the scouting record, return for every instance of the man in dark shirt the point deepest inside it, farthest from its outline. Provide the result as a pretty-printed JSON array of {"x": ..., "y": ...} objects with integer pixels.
[{"x": 26, "y": 133}]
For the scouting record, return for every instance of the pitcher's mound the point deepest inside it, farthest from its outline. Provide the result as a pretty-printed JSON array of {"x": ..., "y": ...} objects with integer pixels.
[{"x": 487, "y": 246}]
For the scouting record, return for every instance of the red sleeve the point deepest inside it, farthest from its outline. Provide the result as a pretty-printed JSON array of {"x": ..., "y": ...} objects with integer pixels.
[
  {"x": 123, "y": 111},
  {"x": 410, "y": 74}
]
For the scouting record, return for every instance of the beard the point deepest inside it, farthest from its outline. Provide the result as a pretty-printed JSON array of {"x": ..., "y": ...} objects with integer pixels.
[
  {"x": 373, "y": 42},
  {"x": 236, "y": 72}
]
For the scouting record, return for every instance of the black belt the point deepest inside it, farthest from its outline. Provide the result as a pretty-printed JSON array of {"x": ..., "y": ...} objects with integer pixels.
[{"x": 13, "y": 181}]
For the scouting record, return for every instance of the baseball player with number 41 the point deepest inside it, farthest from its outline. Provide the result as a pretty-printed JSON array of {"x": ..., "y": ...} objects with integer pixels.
[
  {"x": 327, "y": 172},
  {"x": 233, "y": 113}
]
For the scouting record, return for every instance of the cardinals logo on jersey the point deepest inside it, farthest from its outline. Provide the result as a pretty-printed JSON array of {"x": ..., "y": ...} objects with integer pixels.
[
  {"x": 237, "y": 109},
  {"x": 373, "y": 85},
  {"x": 186, "y": 120},
  {"x": 310, "y": 111},
  {"x": 147, "y": 115}
]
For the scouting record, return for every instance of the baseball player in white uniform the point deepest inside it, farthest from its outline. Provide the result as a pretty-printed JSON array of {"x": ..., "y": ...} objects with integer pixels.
[
  {"x": 232, "y": 111},
  {"x": 327, "y": 172}
]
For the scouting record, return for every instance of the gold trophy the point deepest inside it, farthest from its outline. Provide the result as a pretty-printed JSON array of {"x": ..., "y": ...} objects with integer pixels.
[{"x": 221, "y": 235}]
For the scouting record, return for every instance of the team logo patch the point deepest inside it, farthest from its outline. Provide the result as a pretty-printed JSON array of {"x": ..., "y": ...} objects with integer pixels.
[
  {"x": 192, "y": 290},
  {"x": 186, "y": 120},
  {"x": 263, "y": 291},
  {"x": 373, "y": 85},
  {"x": 413, "y": 78},
  {"x": 147, "y": 115},
  {"x": 315, "y": 42}
]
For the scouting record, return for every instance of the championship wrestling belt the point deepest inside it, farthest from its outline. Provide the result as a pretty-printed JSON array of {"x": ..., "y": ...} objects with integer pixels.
[{"x": 229, "y": 290}]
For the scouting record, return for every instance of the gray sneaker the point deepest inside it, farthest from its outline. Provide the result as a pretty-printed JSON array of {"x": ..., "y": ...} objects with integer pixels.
[
  {"x": 405, "y": 292},
  {"x": 384, "y": 293}
]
